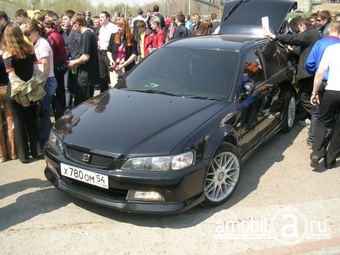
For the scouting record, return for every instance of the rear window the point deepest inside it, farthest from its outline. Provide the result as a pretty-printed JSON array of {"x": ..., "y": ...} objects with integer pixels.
[{"x": 185, "y": 72}]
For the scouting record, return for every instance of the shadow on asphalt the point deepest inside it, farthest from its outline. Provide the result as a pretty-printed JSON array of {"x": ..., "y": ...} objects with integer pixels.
[
  {"x": 255, "y": 167},
  {"x": 36, "y": 203},
  {"x": 45, "y": 199}
]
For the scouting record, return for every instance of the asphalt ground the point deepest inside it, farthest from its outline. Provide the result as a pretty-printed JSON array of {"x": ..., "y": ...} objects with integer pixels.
[{"x": 281, "y": 206}]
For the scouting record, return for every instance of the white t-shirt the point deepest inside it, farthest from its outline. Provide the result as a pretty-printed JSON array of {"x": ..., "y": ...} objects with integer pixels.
[
  {"x": 331, "y": 59},
  {"x": 43, "y": 49},
  {"x": 105, "y": 34}
]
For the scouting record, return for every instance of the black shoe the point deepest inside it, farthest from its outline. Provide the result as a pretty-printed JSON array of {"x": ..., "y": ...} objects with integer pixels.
[
  {"x": 38, "y": 156},
  {"x": 24, "y": 161},
  {"x": 314, "y": 162},
  {"x": 329, "y": 165}
]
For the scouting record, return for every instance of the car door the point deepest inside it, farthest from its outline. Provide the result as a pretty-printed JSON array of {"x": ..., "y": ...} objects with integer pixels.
[
  {"x": 253, "y": 99},
  {"x": 279, "y": 79}
]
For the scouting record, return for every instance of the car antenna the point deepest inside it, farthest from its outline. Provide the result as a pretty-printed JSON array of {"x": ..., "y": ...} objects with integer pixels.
[{"x": 234, "y": 8}]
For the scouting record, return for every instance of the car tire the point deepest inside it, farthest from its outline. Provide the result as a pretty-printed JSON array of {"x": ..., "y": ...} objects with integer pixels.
[
  {"x": 222, "y": 176},
  {"x": 289, "y": 113}
]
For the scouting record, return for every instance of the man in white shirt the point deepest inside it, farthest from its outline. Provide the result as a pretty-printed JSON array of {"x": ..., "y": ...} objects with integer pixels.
[
  {"x": 329, "y": 108},
  {"x": 105, "y": 31}
]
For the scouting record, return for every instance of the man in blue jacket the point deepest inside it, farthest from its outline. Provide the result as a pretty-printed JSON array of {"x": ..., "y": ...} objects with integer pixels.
[{"x": 312, "y": 65}]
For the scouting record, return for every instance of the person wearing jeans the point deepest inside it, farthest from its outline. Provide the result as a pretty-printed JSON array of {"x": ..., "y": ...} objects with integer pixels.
[
  {"x": 45, "y": 123},
  {"x": 44, "y": 54}
]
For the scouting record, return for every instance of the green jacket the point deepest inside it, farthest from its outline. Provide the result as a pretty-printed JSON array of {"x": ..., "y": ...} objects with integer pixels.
[{"x": 30, "y": 91}]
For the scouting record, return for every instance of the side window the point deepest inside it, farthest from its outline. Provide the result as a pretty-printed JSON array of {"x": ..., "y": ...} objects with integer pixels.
[
  {"x": 271, "y": 59},
  {"x": 253, "y": 68}
]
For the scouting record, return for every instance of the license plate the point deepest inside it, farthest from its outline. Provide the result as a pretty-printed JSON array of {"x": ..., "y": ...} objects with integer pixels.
[{"x": 86, "y": 176}]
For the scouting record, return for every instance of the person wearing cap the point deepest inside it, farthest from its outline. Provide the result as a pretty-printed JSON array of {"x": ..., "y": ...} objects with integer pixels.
[
  {"x": 158, "y": 38},
  {"x": 89, "y": 21}
]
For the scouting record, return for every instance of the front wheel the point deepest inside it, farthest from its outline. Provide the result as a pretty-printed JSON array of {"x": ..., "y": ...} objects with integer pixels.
[
  {"x": 223, "y": 175},
  {"x": 289, "y": 113}
]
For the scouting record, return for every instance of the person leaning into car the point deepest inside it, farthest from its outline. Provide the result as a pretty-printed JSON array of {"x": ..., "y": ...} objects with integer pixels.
[{"x": 306, "y": 37}]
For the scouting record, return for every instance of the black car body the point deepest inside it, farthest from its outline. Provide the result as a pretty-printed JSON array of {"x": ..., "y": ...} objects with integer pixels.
[{"x": 174, "y": 132}]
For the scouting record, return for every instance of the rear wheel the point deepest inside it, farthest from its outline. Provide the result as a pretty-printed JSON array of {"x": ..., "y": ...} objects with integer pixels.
[
  {"x": 223, "y": 175},
  {"x": 289, "y": 115}
]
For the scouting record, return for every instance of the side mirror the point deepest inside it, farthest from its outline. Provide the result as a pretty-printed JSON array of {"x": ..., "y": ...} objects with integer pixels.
[{"x": 247, "y": 89}]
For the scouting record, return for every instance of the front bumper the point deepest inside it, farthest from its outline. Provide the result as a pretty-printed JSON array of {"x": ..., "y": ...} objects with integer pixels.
[{"x": 181, "y": 190}]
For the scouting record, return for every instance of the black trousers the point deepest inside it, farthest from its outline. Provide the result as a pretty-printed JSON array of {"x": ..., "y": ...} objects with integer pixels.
[
  {"x": 25, "y": 128},
  {"x": 83, "y": 93},
  {"x": 104, "y": 64},
  {"x": 59, "y": 102},
  {"x": 70, "y": 82},
  {"x": 329, "y": 109},
  {"x": 305, "y": 91}
]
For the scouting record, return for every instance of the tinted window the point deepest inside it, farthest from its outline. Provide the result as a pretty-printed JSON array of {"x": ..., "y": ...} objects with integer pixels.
[
  {"x": 253, "y": 68},
  {"x": 270, "y": 55},
  {"x": 185, "y": 72}
]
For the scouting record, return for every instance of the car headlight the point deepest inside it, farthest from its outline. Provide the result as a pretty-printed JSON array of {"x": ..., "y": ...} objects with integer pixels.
[
  {"x": 55, "y": 142},
  {"x": 164, "y": 163}
]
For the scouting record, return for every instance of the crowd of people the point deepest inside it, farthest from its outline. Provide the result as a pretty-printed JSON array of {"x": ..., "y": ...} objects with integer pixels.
[
  {"x": 310, "y": 39},
  {"x": 72, "y": 55},
  {"x": 52, "y": 63}
]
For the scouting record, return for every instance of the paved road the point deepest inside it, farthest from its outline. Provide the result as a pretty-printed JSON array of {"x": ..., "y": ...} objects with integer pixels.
[{"x": 280, "y": 207}]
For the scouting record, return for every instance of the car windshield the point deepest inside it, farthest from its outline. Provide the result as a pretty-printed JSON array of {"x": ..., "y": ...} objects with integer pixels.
[{"x": 197, "y": 73}]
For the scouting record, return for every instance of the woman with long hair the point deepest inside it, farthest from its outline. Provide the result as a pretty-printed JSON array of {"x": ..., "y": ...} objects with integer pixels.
[
  {"x": 122, "y": 50},
  {"x": 21, "y": 65},
  {"x": 205, "y": 28},
  {"x": 35, "y": 32},
  {"x": 7, "y": 146}
]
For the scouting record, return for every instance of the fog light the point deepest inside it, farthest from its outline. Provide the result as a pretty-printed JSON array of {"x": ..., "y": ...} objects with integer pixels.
[{"x": 144, "y": 195}]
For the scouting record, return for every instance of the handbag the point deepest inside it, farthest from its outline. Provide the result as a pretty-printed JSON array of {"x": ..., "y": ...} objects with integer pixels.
[{"x": 59, "y": 68}]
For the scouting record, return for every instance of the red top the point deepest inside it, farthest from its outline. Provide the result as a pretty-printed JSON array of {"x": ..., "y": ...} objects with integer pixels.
[
  {"x": 158, "y": 38},
  {"x": 60, "y": 53}
]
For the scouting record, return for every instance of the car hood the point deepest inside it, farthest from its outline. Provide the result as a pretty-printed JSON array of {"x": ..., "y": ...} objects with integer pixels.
[
  {"x": 244, "y": 17},
  {"x": 121, "y": 122}
]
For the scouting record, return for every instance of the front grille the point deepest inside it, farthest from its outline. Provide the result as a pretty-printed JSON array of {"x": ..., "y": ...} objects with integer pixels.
[{"x": 94, "y": 159}]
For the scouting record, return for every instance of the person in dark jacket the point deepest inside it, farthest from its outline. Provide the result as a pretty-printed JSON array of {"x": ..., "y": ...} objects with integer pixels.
[
  {"x": 323, "y": 20},
  {"x": 196, "y": 22},
  {"x": 306, "y": 38},
  {"x": 181, "y": 30}
]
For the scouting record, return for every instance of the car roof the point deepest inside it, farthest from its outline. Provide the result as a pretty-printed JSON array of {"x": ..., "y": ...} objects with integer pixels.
[
  {"x": 245, "y": 16},
  {"x": 215, "y": 42}
]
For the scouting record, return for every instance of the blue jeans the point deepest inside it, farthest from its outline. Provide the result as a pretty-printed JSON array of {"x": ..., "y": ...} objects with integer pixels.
[{"x": 46, "y": 124}]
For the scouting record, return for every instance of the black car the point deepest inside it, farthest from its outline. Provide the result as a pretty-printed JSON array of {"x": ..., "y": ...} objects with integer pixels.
[{"x": 175, "y": 131}]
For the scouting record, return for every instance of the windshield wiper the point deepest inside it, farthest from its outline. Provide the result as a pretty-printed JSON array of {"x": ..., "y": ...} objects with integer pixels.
[
  {"x": 154, "y": 91},
  {"x": 204, "y": 97},
  {"x": 234, "y": 8}
]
